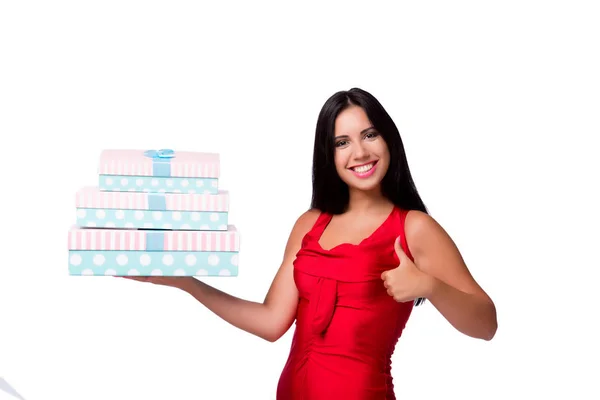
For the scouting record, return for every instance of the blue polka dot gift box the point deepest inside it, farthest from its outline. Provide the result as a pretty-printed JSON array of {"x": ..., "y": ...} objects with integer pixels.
[
  {"x": 126, "y": 252},
  {"x": 159, "y": 171},
  {"x": 135, "y": 210}
]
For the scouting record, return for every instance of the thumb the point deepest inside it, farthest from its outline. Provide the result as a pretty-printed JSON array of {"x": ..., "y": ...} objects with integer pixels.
[{"x": 401, "y": 254}]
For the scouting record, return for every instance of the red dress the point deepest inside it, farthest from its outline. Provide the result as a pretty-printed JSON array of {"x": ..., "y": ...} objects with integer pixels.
[{"x": 347, "y": 326}]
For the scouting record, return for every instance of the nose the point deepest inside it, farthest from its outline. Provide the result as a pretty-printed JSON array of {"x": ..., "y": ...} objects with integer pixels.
[{"x": 360, "y": 151}]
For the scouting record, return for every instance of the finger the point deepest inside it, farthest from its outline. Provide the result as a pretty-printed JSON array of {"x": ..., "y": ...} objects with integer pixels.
[
  {"x": 135, "y": 278},
  {"x": 398, "y": 248},
  {"x": 384, "y": 275}
]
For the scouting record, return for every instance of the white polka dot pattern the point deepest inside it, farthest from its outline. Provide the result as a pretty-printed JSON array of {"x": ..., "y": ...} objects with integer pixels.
[
  {"x": 177, "y": 220},
  {"x": 150, "y": 184},
  {"x": 176, "y": 263}
]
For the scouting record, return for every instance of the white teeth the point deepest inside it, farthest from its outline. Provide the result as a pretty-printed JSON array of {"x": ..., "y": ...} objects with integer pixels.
[{"x": 363, "y": 168}]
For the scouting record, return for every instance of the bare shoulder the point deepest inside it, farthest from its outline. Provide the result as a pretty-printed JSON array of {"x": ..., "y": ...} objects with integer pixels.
[
  {"x": 283, "y": 285},
  {"x": 306, "y": 220},
  {"x": 436, "y": 253},
  {"x": 426, "y": 238},
  {"x": 302, "y": 226},
  {"x": 422, "y": 231}
]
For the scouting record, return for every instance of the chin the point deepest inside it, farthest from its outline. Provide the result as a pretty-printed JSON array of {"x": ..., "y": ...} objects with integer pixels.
[
  {"x": 366, "y": 185},
  {"x": 367, "y": 188}
]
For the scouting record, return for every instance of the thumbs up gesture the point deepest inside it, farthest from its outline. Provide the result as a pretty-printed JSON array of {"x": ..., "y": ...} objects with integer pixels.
[{"x": 406, "y": 282}]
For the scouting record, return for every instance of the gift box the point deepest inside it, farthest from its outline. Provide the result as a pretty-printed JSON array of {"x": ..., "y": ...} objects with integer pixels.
[
  {"x": 159, "y": 171},
  {"x": 98, "y": 208},
  {"x": 123, "y": 252}
]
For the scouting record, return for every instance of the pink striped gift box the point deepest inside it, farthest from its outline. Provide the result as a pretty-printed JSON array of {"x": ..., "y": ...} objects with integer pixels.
[
  {"x": 93, "y": 197},
  {"x": 153, "y": 240},
  {"x": 142, "y": 163}
]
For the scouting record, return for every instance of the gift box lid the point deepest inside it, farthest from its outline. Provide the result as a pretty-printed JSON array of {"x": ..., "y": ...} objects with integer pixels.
[
  {"x": 93, "y": 197},
  {"x": 81, "y": 238},
  {"x": 162, "y": 162}
]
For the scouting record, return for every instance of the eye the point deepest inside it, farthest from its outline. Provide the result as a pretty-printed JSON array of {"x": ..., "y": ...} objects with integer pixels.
[
  {"x": 340, "y": 143},
  {"x": 371, "y": 135}
]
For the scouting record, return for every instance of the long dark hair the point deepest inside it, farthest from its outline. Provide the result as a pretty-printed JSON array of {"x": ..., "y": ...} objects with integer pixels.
[{"x": 330, "y": 194}]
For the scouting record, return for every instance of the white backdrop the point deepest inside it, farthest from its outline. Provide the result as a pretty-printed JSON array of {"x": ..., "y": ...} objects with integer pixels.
[{"x": 498, "y": 108}]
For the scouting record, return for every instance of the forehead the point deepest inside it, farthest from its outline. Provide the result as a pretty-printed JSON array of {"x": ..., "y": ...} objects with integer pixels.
[{"x": 351, "y": 121}]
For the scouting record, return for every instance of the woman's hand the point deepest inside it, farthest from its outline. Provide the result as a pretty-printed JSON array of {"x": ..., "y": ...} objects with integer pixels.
[
  {"x": 406, "y": 282},
  {"x": 178, "y": 282}
]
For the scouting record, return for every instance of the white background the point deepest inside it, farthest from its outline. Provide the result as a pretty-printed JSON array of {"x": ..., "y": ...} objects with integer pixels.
[{"x": 497, "y": 103}]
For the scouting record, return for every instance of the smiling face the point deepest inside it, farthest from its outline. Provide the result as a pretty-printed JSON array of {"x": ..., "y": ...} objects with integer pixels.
[{"x": 361, "y": 155}]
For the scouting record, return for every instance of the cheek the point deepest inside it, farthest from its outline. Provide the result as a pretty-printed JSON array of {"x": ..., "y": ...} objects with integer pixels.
[
  {"x": 340, "y": 161},
  {"x": 384, "y": 164},
  {"x": 384, "y": 168},
  {"x": 384, "y": 155},
  {"x": 385, "y": 160}
]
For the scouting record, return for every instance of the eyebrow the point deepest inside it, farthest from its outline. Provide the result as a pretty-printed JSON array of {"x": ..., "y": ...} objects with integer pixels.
[{"x": 361, "y": 132}]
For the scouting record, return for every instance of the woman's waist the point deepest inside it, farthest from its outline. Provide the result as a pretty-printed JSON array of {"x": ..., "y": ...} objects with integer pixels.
[{"x": 350, "y": 333}]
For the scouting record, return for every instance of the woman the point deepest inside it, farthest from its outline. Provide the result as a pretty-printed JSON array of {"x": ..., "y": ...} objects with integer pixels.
[{"x": 355, "y": 264}]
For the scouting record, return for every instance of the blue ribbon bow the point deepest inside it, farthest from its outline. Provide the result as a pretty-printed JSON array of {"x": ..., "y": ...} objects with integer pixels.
[
  {"x": 162, "y": 153},
  {"x": 161, "y": 161}
]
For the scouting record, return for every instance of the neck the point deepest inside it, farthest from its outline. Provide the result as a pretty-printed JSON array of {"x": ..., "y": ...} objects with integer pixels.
[{"x": 361, "y": 201}]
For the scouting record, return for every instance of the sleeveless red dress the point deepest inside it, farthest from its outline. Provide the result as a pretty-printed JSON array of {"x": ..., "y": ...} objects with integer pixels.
[{"x": 347, "y": 326}]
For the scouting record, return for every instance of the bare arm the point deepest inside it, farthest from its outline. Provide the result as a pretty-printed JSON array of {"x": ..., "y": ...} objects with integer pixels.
[
  {"x": 455, "y": 293},
  {"x": 274, "y": 316}
]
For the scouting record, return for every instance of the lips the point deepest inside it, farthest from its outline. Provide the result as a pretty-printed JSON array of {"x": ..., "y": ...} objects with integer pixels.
[{"x": 364, "y": 170}]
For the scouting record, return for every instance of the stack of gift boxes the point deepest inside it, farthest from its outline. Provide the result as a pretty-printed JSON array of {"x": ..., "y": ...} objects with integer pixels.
[{"x": 154, "y": 213}]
